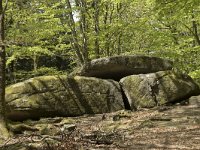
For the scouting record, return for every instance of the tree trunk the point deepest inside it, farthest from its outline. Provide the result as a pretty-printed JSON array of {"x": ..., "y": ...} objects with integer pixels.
[
  {"x": 35, "y": 62},
  {"x": 74, "y": 39},
  {"x": 119, "y": 49},
  {"x": 96, "y": 27},
  {"x": 83, "y": 29},
  {"x": 3, "y": 130},
  {"x": 108, "y": 21}
]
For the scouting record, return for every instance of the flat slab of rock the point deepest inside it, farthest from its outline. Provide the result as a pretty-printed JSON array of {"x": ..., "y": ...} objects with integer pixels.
[
  {"x": 150, "y": 90},
  {"x": 48, "y": 96},
  {"x": 118, "y": 67}
]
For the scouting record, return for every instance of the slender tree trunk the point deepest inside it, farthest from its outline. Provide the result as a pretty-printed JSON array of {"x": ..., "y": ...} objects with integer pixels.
[
  {"x": 83, "y": 29},
  {"x": 119, "y": 43},
  {"x": 96, "y": 27},
  {"x": 105, "y": 28},
  {"x": 74, "y": 39},
  {"x": 119, "y": 7},
  {"x": 107, "y": 21},
  {"x": 3, "y": 130},
  {"x": 35, "y": 62}
]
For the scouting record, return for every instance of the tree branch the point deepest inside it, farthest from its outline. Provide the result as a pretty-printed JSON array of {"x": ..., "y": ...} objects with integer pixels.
[{"x": 4, "y": 10}]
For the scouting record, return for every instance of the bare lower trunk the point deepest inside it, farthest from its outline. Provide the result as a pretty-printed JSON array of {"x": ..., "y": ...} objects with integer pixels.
[
  {"x": 3, "y": 130},
  {"x": 74, "y": 39},
  {"x": 84, "y": 29},
  {"x": 96, "y": 28}
]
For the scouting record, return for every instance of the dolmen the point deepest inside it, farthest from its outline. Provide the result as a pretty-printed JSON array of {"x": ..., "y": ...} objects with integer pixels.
[{"x": 102, "y": 86}]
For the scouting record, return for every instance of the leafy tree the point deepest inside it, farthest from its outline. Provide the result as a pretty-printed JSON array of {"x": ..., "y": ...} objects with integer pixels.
[
  {"x": 181, "y": 20},
  {"x": 81, "y": 30},
  {"x": 36, "y": 37}
]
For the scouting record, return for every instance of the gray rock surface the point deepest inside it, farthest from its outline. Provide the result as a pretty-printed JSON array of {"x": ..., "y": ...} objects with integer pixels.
[
  {"x": 150, "y": 90},
  {"x": 118, "y": 67},
  {"x": 47, "y": 96},
  {"x": 194, "y": 101}
]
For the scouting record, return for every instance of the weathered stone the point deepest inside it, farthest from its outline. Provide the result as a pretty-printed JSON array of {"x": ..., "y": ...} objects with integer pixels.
[
  {"x": 20, "y": 128},
  {"x": 149, "y": 90},
  {"x": 47, "y": 96},
  {"x": 118, "y": 67},
  {"x": 4, "y": 134},
  {"x": 194, "y": 101}
]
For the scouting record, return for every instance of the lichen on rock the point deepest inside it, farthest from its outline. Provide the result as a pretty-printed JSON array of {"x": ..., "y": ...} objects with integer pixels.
[
  {"x": 150, "y": 90},
  {"x": 47, "y": 96}
]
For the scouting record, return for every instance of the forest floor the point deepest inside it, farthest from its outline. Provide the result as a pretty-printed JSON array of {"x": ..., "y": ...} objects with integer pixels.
[{"x": 168, "y": 127}]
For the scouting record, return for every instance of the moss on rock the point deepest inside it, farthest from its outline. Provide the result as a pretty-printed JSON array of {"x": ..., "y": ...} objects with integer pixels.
[
  {"x": 149, "y": 90},
  {"x": 62, "y": 96}
]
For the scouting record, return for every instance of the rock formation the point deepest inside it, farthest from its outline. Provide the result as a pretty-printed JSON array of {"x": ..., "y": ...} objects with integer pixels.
[
  {"x": 144, "y": 82},
  {"x": 48, "y": 96}
]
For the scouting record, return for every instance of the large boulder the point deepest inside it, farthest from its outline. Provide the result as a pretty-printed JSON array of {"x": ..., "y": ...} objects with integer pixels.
[
  {"x": 47, "y": 96},
  {"x": 118, "y": 67},
  {"x": 149, "y": 90}
]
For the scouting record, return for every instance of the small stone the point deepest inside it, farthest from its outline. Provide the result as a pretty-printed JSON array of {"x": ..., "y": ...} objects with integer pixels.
[{"x": 68, "y": 127}]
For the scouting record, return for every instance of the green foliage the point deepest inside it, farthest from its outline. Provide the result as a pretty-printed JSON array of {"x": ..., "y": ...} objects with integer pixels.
[
  {"x": 196, "y": 76},
  {"x": 21, "y": 75},
  {"x": 98, "y": 28},
  {"x": 47, "y": 71}
]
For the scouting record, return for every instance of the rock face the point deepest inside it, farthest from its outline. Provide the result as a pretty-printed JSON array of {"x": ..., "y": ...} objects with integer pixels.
[
  {"x": 149, "y": 90},
  {"x": 61, "y": 96},
  {"x": 121, "y": 66}
]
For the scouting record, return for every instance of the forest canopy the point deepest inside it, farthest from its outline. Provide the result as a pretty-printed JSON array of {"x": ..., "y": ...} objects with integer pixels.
[{"x": 54, "y": 36}]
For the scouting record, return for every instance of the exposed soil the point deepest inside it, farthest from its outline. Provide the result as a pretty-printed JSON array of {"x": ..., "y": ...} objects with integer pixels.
[{"x": 166, "y": 127}]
